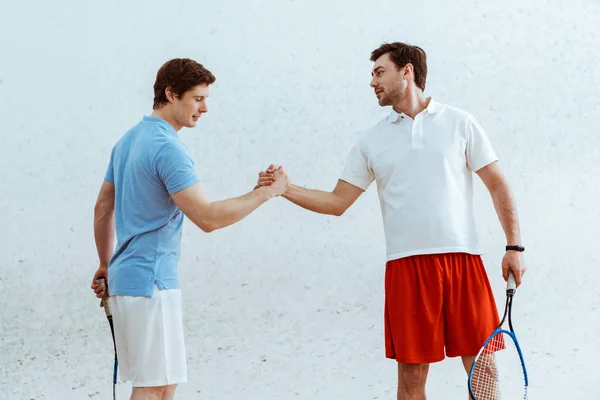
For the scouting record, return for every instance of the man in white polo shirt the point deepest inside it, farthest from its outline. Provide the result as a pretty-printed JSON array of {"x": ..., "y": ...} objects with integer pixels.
[{"x": 422, "y": 157}]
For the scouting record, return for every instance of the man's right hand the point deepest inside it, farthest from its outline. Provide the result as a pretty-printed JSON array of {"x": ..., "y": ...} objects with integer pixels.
[
  {"x": 267, "y": 177},
  {"x": 97, "y": 287},
  {"x": 279, "y": 182}
]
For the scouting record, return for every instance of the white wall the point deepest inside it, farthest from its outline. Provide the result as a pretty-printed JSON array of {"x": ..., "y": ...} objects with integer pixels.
[{"x": 288, "y": 304}]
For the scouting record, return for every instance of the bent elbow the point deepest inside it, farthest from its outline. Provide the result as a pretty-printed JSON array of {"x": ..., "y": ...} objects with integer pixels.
[
  {"x": 338, "y": 212},
  {"x": 207, "y": 226}
]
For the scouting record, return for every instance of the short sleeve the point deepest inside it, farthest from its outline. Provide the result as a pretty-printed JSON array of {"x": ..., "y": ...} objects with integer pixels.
[
  {"x": 479, "y": 148},
  {"x": 175, "y": 167},
  {"x": 110, "y": 174},
  {"x": 357, "y": 171}
]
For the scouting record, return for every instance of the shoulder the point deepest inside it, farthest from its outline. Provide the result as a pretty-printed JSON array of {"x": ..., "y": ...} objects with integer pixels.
[
  {"x": 454, "y": 113},
  {"x": 373, "y": 132},
  {"x": 156, "y": 139}
]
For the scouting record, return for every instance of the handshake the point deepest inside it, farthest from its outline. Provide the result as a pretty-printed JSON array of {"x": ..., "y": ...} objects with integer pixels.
[{"x": 275, "y": 178}]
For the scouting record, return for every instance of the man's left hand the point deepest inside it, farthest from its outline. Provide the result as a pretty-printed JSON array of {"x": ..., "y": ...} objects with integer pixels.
[{"x": 513, "y": 261}]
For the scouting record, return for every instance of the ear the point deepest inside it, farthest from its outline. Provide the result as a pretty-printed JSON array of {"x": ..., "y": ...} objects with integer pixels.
[
  {"x": 171, "y": 96},
  {"x": 408, "y": 71}
]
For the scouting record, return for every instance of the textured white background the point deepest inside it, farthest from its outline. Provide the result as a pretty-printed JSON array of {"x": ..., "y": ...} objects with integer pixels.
[{"x": 288, "y": 304}]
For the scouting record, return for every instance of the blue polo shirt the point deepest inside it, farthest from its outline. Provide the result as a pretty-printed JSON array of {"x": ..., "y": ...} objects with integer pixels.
[{"x": 147, "y": 165}]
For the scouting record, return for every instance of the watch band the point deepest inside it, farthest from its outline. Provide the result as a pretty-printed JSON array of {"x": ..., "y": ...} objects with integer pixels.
[{"x": 515, "y": 248}]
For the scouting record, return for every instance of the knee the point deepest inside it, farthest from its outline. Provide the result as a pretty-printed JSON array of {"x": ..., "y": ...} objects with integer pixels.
[
  {"x": 413, "y": 378},
  {"x": 150, "y": 393}
]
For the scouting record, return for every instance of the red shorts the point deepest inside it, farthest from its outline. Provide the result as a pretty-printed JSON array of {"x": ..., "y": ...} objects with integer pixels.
[{"x": 437, "y": 305}]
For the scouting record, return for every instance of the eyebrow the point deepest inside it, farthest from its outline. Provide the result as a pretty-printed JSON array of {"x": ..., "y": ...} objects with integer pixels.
[{"x": 376, "y": 69}]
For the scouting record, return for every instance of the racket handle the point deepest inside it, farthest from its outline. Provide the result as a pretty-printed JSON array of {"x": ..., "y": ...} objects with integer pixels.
[
  {"x": 105, "y": 298},
  {"x": 511, "y": 283}
]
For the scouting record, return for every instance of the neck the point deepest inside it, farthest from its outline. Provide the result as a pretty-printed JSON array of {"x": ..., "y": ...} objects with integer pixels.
[
  {"x": 412, "y": 104},
  {"x": 163, "y": 113}
]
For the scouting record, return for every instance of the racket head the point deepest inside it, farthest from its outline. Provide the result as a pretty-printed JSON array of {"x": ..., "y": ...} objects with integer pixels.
[{"x": 498, "y": 371}]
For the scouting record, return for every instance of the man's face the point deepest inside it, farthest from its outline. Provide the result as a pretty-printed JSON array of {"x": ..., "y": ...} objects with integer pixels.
[
  {"x": 188, "y": 108},
  {"x": 389, "y": 83}
]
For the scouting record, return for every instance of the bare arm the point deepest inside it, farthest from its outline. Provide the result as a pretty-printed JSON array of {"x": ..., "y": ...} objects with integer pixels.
[
  {"x": 104, "y": 232},
  {"x": 210, "y": 216},
  {"x": 504, "y": 201},
  {"x": 104, "y": 222},
  {"x": 506, "y": 208},
  {"x": 335, "y": 202}
]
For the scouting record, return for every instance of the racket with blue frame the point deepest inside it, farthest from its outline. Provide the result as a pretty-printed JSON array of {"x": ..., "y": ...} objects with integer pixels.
[{"x": 498, "y": 371}]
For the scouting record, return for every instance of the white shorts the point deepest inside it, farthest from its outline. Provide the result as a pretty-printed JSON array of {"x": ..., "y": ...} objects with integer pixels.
[{"x": 149, "y": 338}]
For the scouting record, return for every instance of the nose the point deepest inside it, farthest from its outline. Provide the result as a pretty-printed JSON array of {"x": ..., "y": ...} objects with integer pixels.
[
  {"x": 203, "y": 109},
  {"x": 373, "y": 84}
]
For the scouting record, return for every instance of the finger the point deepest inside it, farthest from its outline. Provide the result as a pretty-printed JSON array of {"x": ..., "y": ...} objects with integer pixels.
[
  {"x": 518, "y": 276},
  {"x": 280, "y": 172}
]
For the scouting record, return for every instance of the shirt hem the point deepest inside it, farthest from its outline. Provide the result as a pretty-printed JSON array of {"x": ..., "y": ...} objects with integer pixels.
[
  {"x": 433, "y": 250},
  {"x": 184, "y": 185},
  {"x": 361, "y": 185},
  {"x": 483, "y": 164}
]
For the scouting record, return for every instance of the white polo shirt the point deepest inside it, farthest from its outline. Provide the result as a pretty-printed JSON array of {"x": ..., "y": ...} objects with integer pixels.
[{"x": 424, "y": 174}]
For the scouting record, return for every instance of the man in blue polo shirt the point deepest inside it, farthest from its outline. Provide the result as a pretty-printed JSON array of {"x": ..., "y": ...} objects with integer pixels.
[{"x": 149, "y": 185}]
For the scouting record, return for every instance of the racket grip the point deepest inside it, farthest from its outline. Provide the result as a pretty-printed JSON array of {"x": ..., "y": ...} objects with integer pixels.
[
  {"x": 105, "y": 298},
  {"x": 511, "y": 283}
]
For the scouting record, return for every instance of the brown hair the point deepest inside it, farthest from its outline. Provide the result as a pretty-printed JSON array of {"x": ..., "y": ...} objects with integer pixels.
[
  {"x": 181, "y": 75},
  {"x": 402, "y": 54}
]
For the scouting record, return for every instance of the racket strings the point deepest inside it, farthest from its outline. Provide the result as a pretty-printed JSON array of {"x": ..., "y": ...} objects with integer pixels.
[
  {"x": 485, "y": 373},
  {"x": 498, "y": 373}
]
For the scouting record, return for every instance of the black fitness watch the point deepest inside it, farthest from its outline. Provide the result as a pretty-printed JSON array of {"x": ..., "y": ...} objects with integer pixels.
[{"x": 515, "y": 248}]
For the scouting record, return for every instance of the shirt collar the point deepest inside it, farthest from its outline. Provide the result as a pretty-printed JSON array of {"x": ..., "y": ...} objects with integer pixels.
[
  {"x": 432, "y": 108},
  {"x": 159, "y": 121}
]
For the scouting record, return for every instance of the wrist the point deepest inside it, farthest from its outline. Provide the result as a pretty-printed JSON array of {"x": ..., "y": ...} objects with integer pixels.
[
  {"x": 515, "y": 247},
  {"x": 268, "y": 192},
  {"x": 289, "y": 191}
]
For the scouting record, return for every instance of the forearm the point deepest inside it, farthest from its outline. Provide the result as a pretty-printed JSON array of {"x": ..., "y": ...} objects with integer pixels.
[
  {"x": 227, "y": 212},
  {"x": 317, "y": 201},
  {"x": 506, "y": 208},
  {"x": 104, "y": 232}
]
